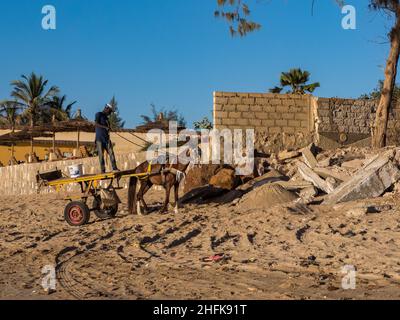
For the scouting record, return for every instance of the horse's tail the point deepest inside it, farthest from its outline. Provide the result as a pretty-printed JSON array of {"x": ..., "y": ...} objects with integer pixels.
[{"x": 132, "y": 195}]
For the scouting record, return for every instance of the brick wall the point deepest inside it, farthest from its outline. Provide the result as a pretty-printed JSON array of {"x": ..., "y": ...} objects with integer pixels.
[{"x": 272, "y": 113}]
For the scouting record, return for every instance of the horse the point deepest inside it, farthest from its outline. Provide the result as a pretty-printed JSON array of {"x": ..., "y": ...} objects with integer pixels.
[{"x": 167, "y": 175}]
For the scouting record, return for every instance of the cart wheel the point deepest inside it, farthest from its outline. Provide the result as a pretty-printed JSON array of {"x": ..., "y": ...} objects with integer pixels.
[
  {"x": 104, "y": 213},
  {"x": 77, "y": 214}
]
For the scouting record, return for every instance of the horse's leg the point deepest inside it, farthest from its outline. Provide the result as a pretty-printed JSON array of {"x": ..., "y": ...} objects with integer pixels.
[
  {"x": 149, "y": 184},
  {"x": 132, "y": 199},
  {"x": 140, "y": 195},
  {"x": 176, "y": 193},
  {"x": 168, "y": 187}
]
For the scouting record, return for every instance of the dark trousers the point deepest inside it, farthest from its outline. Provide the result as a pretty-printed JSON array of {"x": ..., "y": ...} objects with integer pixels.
[{"x": 100, "y": 150}]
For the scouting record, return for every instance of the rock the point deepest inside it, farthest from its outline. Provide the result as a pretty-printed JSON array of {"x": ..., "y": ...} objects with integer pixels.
[
  {"x": 357, "y": 212},
  {"x": 198, "y": 176},
  {"x": 371, "y": 181},
  {"x": 266, "y": 196},
  {"x": 308, "y": 193},
  {"x": 309, "y": 175},
  {"x": 379, "y": 208},
  {"x": 49, "y": 291},
  {"x": 225, "y": 179},
  {"x": 286, "y": 155}
]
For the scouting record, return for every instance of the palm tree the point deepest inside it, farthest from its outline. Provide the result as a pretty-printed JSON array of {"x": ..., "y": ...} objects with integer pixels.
[
  {"x": 31, "y": 95},
  {"x": 9, "y": 115},
  {"x": 276, "y": 90},
  {"x": 59, "y": 110},
  {"x": 115, "y": 120},
  {"x": 297, "y": 79},
  {"x": 164, "y": 115}
]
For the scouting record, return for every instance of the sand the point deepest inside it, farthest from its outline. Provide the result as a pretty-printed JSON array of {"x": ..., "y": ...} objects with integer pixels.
[
  {"x": 273, "y": 194},
  {"x": 289, "y": 251}
]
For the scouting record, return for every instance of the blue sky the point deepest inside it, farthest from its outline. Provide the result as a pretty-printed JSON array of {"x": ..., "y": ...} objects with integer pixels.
[{"x": 174, "y": 53}]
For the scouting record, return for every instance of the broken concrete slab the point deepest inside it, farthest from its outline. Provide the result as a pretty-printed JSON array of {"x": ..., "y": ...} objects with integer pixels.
[
  {"x": 353, "y": 164},
  {"x": 371, "y": 181},
  {"x": 309, "y": 156},
  {"x": 309, "y": 175},
  {"x": 286, "y": 155},
  {"x": 337, "y": 173},
  {"x": 294, "y": 185},
  {"x": 270, "y": 177}
]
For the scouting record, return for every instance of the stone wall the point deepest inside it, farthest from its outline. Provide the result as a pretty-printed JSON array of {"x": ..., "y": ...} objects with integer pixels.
[
  {"x": 349, "y": 121},
  {"x": 346, "y": 115},
  {"x": 21, "y": 179}
]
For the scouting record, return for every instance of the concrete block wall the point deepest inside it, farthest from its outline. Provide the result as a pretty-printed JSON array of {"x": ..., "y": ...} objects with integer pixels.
[{"x": 272, "y": 113}]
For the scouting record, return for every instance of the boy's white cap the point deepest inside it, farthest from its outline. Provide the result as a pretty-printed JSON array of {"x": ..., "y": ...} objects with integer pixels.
[{"x": 110, "y": 107}]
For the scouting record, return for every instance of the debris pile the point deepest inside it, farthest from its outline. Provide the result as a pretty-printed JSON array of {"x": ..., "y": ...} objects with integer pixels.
[
  {"x": 307, "y": 176},
  {"x": 271, "y": 194}
]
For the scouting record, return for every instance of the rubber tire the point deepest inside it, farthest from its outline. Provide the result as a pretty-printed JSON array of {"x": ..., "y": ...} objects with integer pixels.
[
  {"x": 82, "y": 208},
  {"x": 104, "y": 214}
]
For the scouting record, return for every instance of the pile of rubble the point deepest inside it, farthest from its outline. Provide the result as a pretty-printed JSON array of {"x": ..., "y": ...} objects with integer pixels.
[{"x": 308, "y": 176}]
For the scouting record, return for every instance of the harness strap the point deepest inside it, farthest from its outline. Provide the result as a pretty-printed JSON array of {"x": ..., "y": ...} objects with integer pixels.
[
  {"x": 148, "y": 173},
  {"x": 164, "y": 171}
]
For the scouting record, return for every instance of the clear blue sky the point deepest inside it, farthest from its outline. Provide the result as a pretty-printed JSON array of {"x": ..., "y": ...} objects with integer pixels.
[{"x": 174, "y": 53}]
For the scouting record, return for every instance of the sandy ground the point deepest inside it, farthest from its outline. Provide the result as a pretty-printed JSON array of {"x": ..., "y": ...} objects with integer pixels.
[{"x": 284, "y": 252}]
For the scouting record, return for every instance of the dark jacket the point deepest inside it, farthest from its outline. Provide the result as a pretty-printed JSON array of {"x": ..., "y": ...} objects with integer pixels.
[{"x": 102, "y": 134}]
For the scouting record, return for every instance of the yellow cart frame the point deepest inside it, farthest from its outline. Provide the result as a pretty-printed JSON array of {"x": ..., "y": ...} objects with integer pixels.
[{"x": 77, "y": 212}]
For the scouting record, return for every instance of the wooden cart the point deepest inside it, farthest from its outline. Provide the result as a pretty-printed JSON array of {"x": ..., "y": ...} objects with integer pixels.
[{"x": 104, "y": 200}]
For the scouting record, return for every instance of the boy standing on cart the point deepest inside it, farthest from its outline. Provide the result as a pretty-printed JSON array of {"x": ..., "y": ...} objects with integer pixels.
[{"x": 103, "y": 141}]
